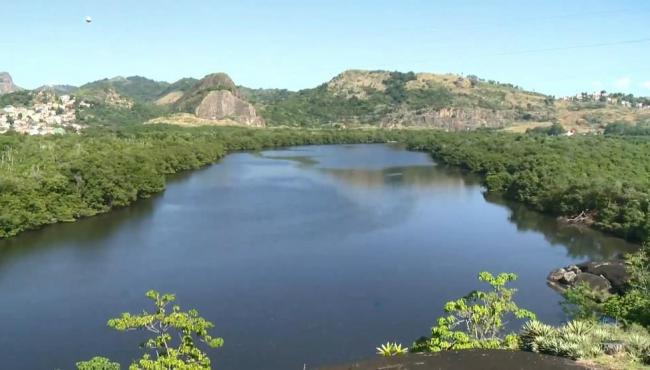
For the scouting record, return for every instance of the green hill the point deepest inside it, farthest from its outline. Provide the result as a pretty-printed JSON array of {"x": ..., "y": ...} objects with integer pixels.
[
  {"x": 135, "y": 87},
  {"x": 396, "y": 99}
]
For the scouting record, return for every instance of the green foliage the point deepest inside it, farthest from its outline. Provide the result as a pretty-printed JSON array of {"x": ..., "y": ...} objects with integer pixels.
[
  {"x": 556, "y": 129},
  {"x": 391, "y": 349},
  {"x": 138, "y": 88},
  {"x": 109, "y": 115},
  {"x": 585, "y": 340},
  {"x": 19, "y": 99},
  {"x": 632, "y": 307},
  {"x": 188, "y": 327},
  {"x": 606, "y": 177},
  {"x": 583, "y": 303},
  {"x": 98, "y": 363},
  {"x": 624, "y": 128},
  {"x": 477, "y": 320},
  {"x": 48, "y": 179}
]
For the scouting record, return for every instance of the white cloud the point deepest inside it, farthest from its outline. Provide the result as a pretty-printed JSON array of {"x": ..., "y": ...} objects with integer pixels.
[
  {"x": 646, "y": 84},
  {"x": 623, "y": 82}
]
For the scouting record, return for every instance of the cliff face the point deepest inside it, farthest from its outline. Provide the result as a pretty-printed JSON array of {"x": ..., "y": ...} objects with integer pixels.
[
  {"x": 7, "y": 84},
  {"x": 216, "y": 97},
  {"x": 223, "y": 104}
]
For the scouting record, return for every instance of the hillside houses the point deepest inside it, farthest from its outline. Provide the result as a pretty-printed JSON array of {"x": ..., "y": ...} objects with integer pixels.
[
  {"x": 602, "y": 96},
  {"x": 51, "y": 116}
]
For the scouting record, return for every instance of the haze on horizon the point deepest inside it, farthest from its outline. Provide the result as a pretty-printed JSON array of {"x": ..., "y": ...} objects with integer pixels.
[{"x": 554, "y": 47}]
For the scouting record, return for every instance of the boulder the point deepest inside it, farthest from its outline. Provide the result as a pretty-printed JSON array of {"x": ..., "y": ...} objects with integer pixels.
[
  {"x": 595, "y": 282},
  {"x": 556, "y": 275},
  {"x": 614, "y": 271},
  {"x": 568, "y": 277}
]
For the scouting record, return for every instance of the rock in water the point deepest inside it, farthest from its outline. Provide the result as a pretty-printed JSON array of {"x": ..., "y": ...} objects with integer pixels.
[
  {"x": 7, "y": 84},
  {"x": 595, "y": 282},
  {"x": 222, "y": 104},
  {"x": 614, "y": 271}
]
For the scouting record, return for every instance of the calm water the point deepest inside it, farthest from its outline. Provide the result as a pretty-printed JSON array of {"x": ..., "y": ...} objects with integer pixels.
[{"x": 311, "y": 255}]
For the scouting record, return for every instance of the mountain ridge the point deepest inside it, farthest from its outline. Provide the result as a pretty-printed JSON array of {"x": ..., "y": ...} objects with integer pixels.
[{"x": 353, "y": 98}]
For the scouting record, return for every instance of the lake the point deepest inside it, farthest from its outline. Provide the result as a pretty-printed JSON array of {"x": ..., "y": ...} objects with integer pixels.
[{"x": 309, "y": 255}]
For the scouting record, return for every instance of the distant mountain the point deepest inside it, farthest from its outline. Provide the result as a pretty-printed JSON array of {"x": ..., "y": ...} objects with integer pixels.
[
  {"x": 58, "y": 89},
  {"x": 175, "y": 91},
  {"x": 135, "y": 87},
  {"x": 350, "y": 99},
  {"x": 396, "y": 99},
  {"x": 7, "y": 84}
]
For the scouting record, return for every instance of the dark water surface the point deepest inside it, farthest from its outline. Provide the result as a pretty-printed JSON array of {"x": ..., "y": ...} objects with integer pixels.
[{"x": 311, "y": 255}]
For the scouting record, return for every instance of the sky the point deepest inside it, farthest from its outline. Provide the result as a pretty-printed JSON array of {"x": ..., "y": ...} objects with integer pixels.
[{"x": 556, "y": 47}]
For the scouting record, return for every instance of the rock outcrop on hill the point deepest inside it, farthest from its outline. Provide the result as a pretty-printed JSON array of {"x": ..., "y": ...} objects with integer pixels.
[
  {"x": 223, "y": 104},
  {"x": 216, "y": 97},
  {"x": 7, "y": 84}
]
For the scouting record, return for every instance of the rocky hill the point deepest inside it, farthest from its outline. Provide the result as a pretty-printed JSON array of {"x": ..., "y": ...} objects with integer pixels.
[
  {"x": 395, "y": 99},
  {"x": 7, "y": 84},
  {"x": 214, "y": 97},
  {"x": 351, "y": 99},
  {"x": 135, "y": 87}
]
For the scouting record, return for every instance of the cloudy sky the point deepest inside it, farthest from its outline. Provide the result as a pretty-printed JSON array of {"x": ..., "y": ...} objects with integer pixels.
[{"x": 552, "y": 46}]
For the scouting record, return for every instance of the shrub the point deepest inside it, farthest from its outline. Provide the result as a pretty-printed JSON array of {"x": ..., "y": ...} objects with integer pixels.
[
  {"x": 391, "y": 349},
  {"x": 476, "y": 320},
  {"x": 98, "y": 363},
  {"x": 585, "y": 340}
]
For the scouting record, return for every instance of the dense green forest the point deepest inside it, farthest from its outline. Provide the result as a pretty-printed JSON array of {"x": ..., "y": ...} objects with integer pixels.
[
  {"x": 44, "y": 180},
  {"x": 607, "y": 178},
  {"x": 51, "y": 179}
]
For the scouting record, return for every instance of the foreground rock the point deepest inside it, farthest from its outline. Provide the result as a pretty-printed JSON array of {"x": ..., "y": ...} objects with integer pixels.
[
  {"x": 467, "y": 360},
  {"x": 607, "y": 276}
]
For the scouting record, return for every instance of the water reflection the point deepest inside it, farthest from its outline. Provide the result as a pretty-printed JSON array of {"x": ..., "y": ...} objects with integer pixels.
[
  {"x": 579, "y": 242},
  {"x": 289, "y": 251}
]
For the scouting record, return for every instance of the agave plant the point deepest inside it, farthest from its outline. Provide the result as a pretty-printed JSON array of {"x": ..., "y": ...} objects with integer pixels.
[
  {"x": 578, "y": 327},
  {"x": 638, "y": 346},
  {"x": 391, "y": 349}
]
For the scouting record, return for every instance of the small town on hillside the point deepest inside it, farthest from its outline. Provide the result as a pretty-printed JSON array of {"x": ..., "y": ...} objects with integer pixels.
[
  {"x": 615, "y": 99},
  {"x": 52, "y": 117}
]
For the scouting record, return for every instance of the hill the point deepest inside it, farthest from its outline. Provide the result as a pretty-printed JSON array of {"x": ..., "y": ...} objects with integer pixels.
[
  {"x": 396, "y": 99},
  {"x": 7, "y": 84},
  {"x": 58, "y": 89},
  {"x": 135, "y": 87},
  {"x": 214, "y": 97},
  {"x": 354, "y": 98}
]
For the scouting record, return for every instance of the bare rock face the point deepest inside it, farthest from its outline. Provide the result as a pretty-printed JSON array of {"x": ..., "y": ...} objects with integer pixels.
[
  {"x": 218, "y": 81},
  {"x": 223, "y": 104},
  {"x": 7, "y": 84}
]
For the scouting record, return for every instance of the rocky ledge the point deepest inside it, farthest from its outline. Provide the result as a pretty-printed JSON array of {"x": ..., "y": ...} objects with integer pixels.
[{"x": 607, "y": 276}]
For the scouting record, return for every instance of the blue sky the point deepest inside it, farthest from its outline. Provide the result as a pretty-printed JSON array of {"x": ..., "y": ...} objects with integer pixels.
[{"x": 552, "y": 46}]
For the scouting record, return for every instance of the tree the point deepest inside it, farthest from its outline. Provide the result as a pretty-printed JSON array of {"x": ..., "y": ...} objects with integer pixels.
[
  {"x": 188, "y": 326},
  {"x": 477, "y": 320},
  {"x": 98, "y": 363}
]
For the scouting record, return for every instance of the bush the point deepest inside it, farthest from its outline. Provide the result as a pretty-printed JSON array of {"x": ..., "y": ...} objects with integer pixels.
[
  {"x": 476, "y": 320},
  {"x": 98, "y": 363},
  {"x": 585, "y": 340}
]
